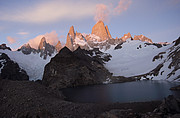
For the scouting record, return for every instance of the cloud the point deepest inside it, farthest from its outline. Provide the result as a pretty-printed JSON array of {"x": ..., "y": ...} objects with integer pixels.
[
  {"x": 62, "y": 37},
  {"x": 49, "y": 11},
  {"x": 51, "y": 38},
  {"x": 123, "y": 5},
  {"x": 11, "y": 40},
  {"x": 22, "y": 33},
  {"x": 103, "y": 11}
]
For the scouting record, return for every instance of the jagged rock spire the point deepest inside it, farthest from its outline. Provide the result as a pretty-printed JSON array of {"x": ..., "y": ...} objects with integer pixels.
[
  {"x": 70, "y": 38},
  {"x": 126, "y": 36},
  {"x": 107, "y": 30},
  {"x": 142, "y": 38},
  {"x": 58, "y": 46},
  {"x": 42, "y": 43},
  {"x": 100, "y": 30}
]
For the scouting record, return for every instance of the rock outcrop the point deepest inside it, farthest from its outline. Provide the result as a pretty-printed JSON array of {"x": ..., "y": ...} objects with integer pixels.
[
  {"x": 58, "y": 46},
  {"x": 3, "y": 46},
  {"x": 107, "y": 30},
  {"x": 126, "y": 36},
  {"x": 45, "y": 49},
  {"x": 68, "y": 69},
  {"x": 170, "y": 108},
  {"x": 142, "y": 38},
  {"x": 27, "y": 49},
  {"x": 11, "y": 70},
  {"x": 100, "y": 30},
  {"x": 70, "y": 38}
]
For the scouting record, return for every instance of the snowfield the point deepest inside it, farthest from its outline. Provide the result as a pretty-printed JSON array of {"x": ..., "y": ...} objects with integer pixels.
[
  {"x": 133, "y": 59},
  {"x": 33, "y": 64},
  {"x": 130, "y": 61}
]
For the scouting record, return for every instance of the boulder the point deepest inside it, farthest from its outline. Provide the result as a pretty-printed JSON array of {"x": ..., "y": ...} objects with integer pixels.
[{"x": 170, "y": 105}]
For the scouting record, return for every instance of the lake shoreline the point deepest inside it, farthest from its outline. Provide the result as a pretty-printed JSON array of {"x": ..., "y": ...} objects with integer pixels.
[{"x": 27, "y": 98}]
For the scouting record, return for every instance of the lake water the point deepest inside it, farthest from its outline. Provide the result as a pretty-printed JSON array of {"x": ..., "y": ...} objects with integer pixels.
[{"x": 137, "y": 91}]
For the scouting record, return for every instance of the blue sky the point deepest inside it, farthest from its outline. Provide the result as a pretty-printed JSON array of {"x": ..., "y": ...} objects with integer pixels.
[{"x": 24, "y": 20}]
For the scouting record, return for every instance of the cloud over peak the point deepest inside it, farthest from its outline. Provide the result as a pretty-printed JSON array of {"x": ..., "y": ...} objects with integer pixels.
[
  {"x": 51, "y": 38},
  {"x": 103, "y": 11}
]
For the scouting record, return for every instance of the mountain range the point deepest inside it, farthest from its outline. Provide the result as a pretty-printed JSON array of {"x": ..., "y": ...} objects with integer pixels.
[{"x": 131, "y": 58}]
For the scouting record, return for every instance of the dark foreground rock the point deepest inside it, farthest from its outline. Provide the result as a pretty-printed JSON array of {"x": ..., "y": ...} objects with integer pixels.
[
  {"x": 69, "y": 69},
  {"x": 81, "y": 67},
  {"x": 25, "y": 99},
  {"x": 11, "y": 70}
]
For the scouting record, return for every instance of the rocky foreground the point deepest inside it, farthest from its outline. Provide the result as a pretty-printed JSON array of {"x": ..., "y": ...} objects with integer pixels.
[{"x": 25, "y": 99}]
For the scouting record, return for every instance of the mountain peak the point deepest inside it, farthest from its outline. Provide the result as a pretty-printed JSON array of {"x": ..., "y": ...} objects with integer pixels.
[
  {"x": 107, "y": 30},
  {"x": 72, "y": 32},
  {"x": 58, "y": 46},
  {"x": 26, "y": 45},
  {"x": 142, "y": 38},
  {"x": 126, "y": 36},
  {"x": 70, "y": 38},
  {"x": 42, "y": 43},
  {"x": 100, "y": 30}
]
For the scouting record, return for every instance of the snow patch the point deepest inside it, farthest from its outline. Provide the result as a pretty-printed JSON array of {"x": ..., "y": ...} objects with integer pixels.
[
  {"x": 129, "y": 61},
  {"x": 33, "y": 64},
  {"x": 80, "y": 42},
  {"x": 107, "y": 81}
]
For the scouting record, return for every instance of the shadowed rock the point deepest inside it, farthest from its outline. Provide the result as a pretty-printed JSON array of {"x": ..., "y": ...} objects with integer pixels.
[
  {"x": 68, "y": 69},
  {"x": 11, "y": 70}
]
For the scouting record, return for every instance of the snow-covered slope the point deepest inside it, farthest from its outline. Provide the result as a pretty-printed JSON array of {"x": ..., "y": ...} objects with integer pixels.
[
  {"x": 134, "y": 58},
  {"x": 33, "y": 64}
]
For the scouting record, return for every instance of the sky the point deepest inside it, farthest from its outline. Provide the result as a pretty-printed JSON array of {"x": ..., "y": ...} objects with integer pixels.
[{"x": 27, "y": 21}]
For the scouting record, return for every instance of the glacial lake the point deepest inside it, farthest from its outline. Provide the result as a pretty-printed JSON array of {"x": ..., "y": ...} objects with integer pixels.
[{"x": 137, "y": 91}]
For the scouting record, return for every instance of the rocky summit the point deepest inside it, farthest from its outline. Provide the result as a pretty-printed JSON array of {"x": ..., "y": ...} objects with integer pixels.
[
  {"x": 100, "y": 30},
  {"x": 58, "y": 46},
  {"x": 126, "y": 36},
  {"x": 27, "y": 49},
  {"x": 70, "y": 38},
  {"x": 3, "y": 46},
  {"x": 142, "y": 38},
  {"x": 68, "y": 69},
  {"x": 45, "y": 49}
]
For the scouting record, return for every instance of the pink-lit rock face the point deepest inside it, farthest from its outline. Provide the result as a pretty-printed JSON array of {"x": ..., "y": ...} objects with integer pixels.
[
  {"x": 142, "y": 38},
  {"x": 100, "y": 30},
  {"x": 126, "y": 36},
  {"x": 58, "y": 46},
  {"x": 70, "y": 38}
]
